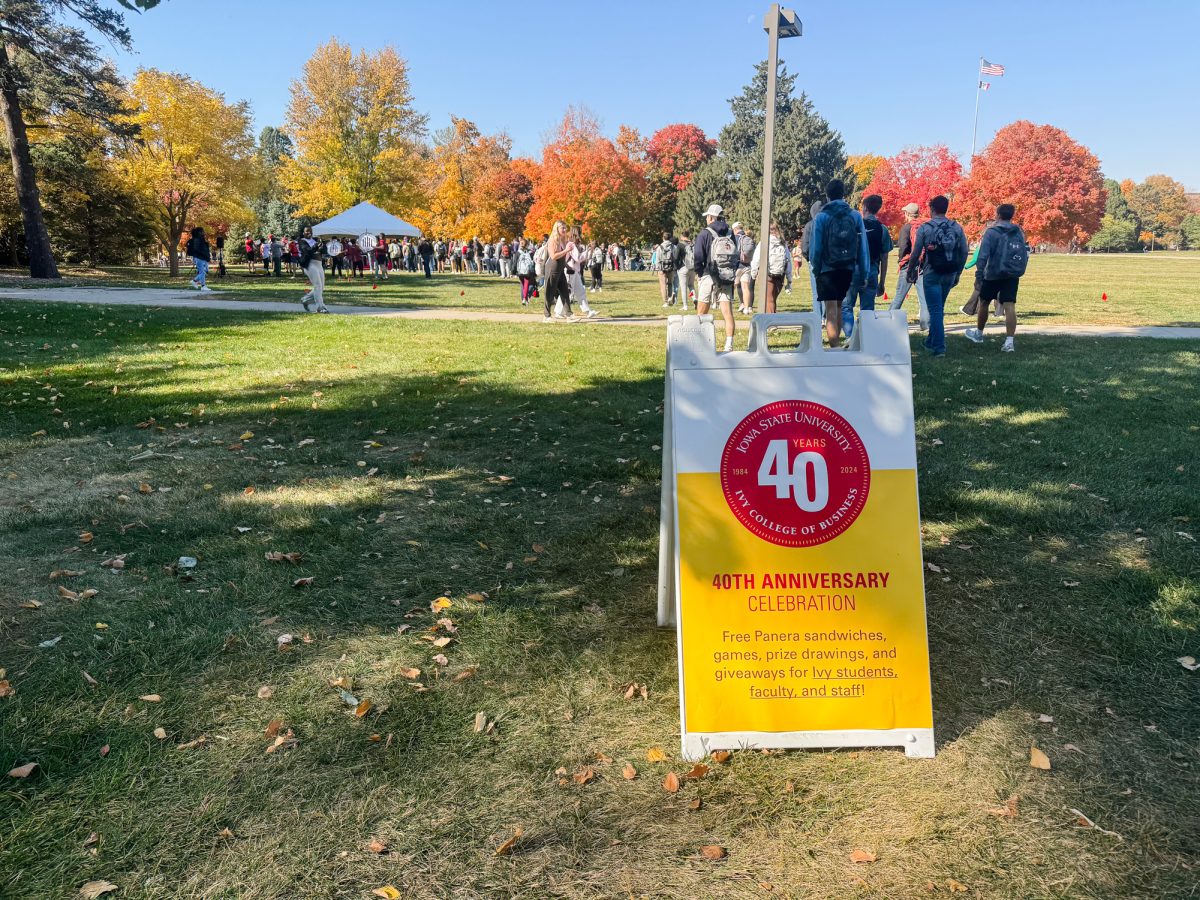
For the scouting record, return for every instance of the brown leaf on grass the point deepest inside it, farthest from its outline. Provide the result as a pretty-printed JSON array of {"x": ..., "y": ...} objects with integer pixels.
[
  {"x": 955, "y": 887},
  {"x": 713, "y": 852},
  {"x": 193, "y": 744},
  {"x": 442, "y": 642},
  {"x": 363, "y": 708},
  {"x": 468, "y": 672},
  {"x": 377, "y": 846},
  {"x": 629, "y": 772},
  {"x": 699, "y": 770},
  {"x": 265, "y": 692},
  {"x": 387, "y": 892},
  {"x": 6, "y": 689},
  {"x": 86, "y": 537},
  {"x": 538, "y": 548},
  {"x": 67, "y": 594},
  {"x": 160, "y": 733},
  {"x": 441, "y": 659},
  {"x": 344, "y": 683},
  {"x": 584, "y": 775},
  {"x": 226, "y": 833},
  {"x": 151, "y": 698},
  {"x": 22, "y": 771},
  {"x": 507, "y": 846},
  {"x": 64, "y": 573},
  {"x": 88, "y": 594},
  {"x": 656, "y": 754},
  {"x": 408, "y": 673},
  {"x": 277, "y": 556},
  {"x": 481, "y": 722},
  {"x": 116, "y": 563},
  {"x": 695, "y": 804},
  {"x": 144, "y": 488},
  {"x": 32, "y": 604},
  {"x": 1008, "y": 810},
  {"x": 93, "y": 838},
  {"x": 721, "y": 756},
  {"x": 862, "y": 856},
  {"x": 104, "y": 751},
  {"x": 94, "y": 889},
  {"x": 671, "y": 783},
  {"x": 303, "y": 582},
  {"x": 272, "y": 728},
  {"x": 477, "y": 597},
  {"x": 1038, "y": 759},
  {"x": 283, "y": 742}
]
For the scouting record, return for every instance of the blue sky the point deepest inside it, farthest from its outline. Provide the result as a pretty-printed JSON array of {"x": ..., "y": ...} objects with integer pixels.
[{"x": 1119, "y": 77}]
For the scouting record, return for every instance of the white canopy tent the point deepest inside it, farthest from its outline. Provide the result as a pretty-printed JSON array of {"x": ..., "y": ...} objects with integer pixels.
[{"x": 366, "y": 218}]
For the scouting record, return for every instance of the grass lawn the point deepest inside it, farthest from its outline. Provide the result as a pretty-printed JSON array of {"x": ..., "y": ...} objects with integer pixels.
[
  {"x": 1143, "y": 289},
  {"x": 515, "y": 472}
]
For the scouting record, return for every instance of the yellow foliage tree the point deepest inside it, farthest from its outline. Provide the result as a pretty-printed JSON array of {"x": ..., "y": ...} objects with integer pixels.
[
  {"x": 356, "y": 134},
  {"x": 193, "y": 157}
]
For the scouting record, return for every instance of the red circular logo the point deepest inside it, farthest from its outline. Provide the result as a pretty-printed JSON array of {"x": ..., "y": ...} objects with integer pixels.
[{"x": 795, "y": 473}]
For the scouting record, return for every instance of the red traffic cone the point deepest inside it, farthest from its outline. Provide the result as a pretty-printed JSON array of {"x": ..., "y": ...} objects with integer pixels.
[
  {"x": 885, "y": 296},
  {"x": 1104, "y": 296},
  {"x": 374, "y": 287},
  {"x": 461, "y": 293}
]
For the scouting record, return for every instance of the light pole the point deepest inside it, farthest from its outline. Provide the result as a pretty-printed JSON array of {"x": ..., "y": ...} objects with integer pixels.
[{"x": 778, "y": 23}]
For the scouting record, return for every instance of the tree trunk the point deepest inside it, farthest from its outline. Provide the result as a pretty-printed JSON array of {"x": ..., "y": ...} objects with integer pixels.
[
  {"x": 173, "y": 259},
  {"x": 41, "y": 259}
]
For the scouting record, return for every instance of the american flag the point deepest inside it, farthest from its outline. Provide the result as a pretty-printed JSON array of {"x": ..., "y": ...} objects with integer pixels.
[{"x": 988, "y": 68}]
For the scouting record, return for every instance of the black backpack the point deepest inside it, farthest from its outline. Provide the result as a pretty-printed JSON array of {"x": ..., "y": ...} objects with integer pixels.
[
  {"x": 1012, "y": 259},
  {"x": 840, "y": 241},
  {"x": 942, "y": 250},
  {"x": 874, "y": 230}
]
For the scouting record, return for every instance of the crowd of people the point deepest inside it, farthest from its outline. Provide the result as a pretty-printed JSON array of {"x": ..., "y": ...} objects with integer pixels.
[{"x": 846, "y": 250}]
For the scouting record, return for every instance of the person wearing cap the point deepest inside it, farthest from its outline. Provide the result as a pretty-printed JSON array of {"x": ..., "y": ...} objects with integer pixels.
[
  {"x": 908, "y": 231},
  {"x": 711, "y": 288}
]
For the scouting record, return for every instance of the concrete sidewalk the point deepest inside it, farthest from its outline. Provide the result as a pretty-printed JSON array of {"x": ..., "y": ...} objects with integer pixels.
[{"x": 189, "y": 299}]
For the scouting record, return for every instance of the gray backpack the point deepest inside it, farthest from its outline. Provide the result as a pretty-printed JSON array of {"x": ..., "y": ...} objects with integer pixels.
[
  {"x": 723, "y": 256},
  {"x": 666, "y": 256}
]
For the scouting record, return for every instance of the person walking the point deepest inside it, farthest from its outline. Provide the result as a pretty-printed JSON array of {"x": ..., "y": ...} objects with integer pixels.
[
  {"x": 664, "y": 262},
  {"x": 379, "y": 258},
  {"x": 277, "y": 256},
  {"x": 555, "y": 267},
  {"x": 908, "y": 231},
  {"x": 879, "y": 245},
  {"x": 333, "y": 250},
  {"x": 425, "y": 251},
  {"x": 265, "y": 252},
  {"x": 743, "y": 283},
  {"x": 251, "y": 256},
  {"x": 778, "y": 260},
  {"x": 596, "y": 266},
  {"x": 526, "y": 271},
  {"x": 939, "y": 253},
  {"x": 355, "y": 259},
  {"x": 197, "y": 249},
  {"x": 839, "y": 255},
  {"x": 716, "y": 258},
  {"x": 687, "y": 270},
  {"x": 805, "y": 246},
  {"x": 577, "y": 258},
  {"x": 1002, "y": 261},
  {"x": 310, "y": 259}
]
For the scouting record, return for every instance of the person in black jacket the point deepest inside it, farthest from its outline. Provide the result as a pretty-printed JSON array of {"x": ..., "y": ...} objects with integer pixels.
[{"x": 197, "y": 249}]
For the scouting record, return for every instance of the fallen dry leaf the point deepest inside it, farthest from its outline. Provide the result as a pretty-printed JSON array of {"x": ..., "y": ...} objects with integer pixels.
[
  {"x": 408, "y": 673},
  {"x": 629, "y": 772},
  {"x": 862, "y": 856},
  {"x": 67, "y": 594},
  {"x": 1008, "y": 810},
  {"x": 441, "y": 659},
  {"x": 272, "y": 728},
  {"x": 86, "y": 537},
  {"x": 22, "y": 771},
  {"x": 1188, "y": 662},
  {"x": 151, "y": 698},
  {"x": 387, "y": 892},
  {"x": 671, "y": 783},
  {"x": 441, "y": 603},
  {"x": 265, "y": 692},
  {"x": 538, "y": 548},
  {"x": 480, "y": 722},
  {"x": 713, "y": 852},
  {"x": 721, "y": 756},
  {"x": 699, "y": 770},
  {"x": 584, "y": 775},
  {"x": 468, "y": 672},
  {"x": 303, "y": 582},
  {"x": 1038, "y": 759},
  {"x": 477, "y": 597},
  {"x": 656, "y": 754},
  {"x": 283, "y": 742},
  {"x": 6, "y": 689},
  {"x": 160, "y": 733},
  {"x": 94, "y": 889},
  {"x": 507, "y": 846},
  {"x": 64, "y": 573},
  {"x": 362, "y": 709},
  {"x": 956, "y": 887},
  {"x": 695, "y": 804},
  {"x": 226, "y": 833},
  {"x": 442, "y": 642},
  {"x": 104, "y": 750},
  {"x": 144, "y": 488},
  {"x": 377, "y": 846},
  {"x": 191, "y": 745},
  {"x": 93, "y": 838},
  {"x": 277, "y": 556}
]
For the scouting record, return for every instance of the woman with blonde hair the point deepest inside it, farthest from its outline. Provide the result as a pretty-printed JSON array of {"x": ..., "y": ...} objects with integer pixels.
[
  {"x": 556, "y": 280},
  {"x": 577, "y": 258}
]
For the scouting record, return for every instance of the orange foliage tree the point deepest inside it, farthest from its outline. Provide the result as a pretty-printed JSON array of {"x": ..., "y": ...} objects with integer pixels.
[
  {"x": 913, "y": 175},
  {"x": 586, "y": 179},
  {"x": 677, "y": 151}
]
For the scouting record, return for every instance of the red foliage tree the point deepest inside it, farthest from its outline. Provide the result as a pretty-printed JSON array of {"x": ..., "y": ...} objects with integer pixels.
[
  {"x": 913, "y": 175},
  {"x": 585, "y": 179},
  {"x": 677, "y": 152},
  {"x": 1054, "y": 181}
]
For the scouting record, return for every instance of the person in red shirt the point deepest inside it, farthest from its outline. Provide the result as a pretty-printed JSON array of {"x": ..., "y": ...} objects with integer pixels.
[{"x": 354, "y": 258}]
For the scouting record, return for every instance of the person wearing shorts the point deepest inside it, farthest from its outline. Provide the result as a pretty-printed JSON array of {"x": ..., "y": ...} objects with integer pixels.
[
  {"x": 711, "y": 289},
  {"x": 834, "y": 281},
  {"x": 1001, "y": 274}
]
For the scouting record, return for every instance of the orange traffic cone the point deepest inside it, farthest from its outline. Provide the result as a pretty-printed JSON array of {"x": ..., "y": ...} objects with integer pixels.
[
  {"x": 374, "y": 287},
  {"x": 885, "y": 297}
]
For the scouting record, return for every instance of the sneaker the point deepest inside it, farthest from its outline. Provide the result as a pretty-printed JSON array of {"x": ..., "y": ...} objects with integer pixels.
[
  {"x": 306, "y": 302},
  {"x": 728, "y": 344},
  {"x": 974, "y": 335},
  {"x": 323, "y": 309},
  {"x": 666, "y": 305},
  {"x": 591, "y": 314},
  {"x": 196, "y": 285},
  {"x": 548, "y": 319},
  {"x": 205, "y": 289},
  {"x": 1008, "y": 347}
]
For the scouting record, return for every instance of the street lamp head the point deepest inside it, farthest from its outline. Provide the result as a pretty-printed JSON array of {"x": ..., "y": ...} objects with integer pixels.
[{"x": 789, "y": 25}]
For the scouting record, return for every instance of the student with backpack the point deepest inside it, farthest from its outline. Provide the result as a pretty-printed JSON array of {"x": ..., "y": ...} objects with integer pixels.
[
  {"x": 1002, "y": 260},
  {"x": 938, "y": 255},
  {"x": 879, "y": 245},
  {"x": 839, "y": 255},
  {"x": 526, "y": 271},
  {"x": 197, "y": 249},
  {"x": 716, "y": 258},
  {"x": 908, "y": 231},
  {"x": 743, "y": 283},
  {"x": 665, "y": 264},
  {"x": 778, "y": 261},
  {"x": 686, "y": 273}
]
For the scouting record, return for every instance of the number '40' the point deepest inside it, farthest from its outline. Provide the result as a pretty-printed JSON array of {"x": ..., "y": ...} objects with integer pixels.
[{"x": 810, "y": 494}]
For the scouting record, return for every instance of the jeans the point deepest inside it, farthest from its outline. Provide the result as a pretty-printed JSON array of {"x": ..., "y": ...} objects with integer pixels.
[
  {"x": 937, "y": 290},
  {"x": 864, "y": 295},
  {"x": 818, "y": 306},
  {"x": 201, "y": 271},
  {"x": 902, "y": 287},
  {"x": 426, "y": 265},
  {"x": 277, "y": 261}
]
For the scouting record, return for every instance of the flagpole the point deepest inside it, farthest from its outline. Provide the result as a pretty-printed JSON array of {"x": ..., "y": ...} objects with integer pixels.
[{"x": 978, "y": 91}]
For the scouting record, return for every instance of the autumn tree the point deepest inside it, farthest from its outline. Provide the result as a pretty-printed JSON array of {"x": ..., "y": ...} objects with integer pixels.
[
  {"x": 356, "y": 133},
  {"x": 194, "y": 156},
  {"x": 1119, "y": 227},
  {"x": 585, "y": 179},
  {"x": 860, "y": 168},
  {"x": 914, "y": 175},
  {"x": 49, "y": 63},
  {"x": 1053, "y": 180},
  {"x": 1160, "y": 204},
  {"x": 808, "y": 153},
  {"x": 677, "y": 151}
]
